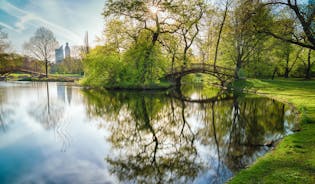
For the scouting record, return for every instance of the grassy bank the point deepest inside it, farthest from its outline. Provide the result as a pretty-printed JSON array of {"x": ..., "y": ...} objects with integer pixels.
[
  {"x": 51, "y": 78},
  {"x": 293, "y": 160}
]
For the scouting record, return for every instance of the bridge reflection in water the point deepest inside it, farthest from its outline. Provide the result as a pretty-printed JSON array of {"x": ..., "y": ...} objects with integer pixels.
[{"x": 62, "y": 134}]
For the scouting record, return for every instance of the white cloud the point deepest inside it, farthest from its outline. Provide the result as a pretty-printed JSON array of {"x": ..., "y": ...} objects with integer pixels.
[
  {"x": 28, "y": 18},
  {"x": 69, "y": 20},
  {"x": 7, "y": 26},
  {"x": 23, "y": 20}
]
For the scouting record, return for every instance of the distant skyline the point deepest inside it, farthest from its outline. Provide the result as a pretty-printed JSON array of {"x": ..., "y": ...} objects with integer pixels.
[{"x": 67, "y": 19}]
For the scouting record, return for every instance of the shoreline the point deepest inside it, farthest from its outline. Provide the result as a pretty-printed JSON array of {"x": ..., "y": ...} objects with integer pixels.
[{"x": 293, "y": 159}]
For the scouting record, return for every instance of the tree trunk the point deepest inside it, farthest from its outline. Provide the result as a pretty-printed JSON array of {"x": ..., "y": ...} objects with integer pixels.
[
  {"x": 274, "y": 72},
  {"x": 219, "y": 36},
  {"x": 308, "y": 71},
  {"x": 286, "y": 73},
  {"x": 46, "y": 67},
  {"x": 147, "y": 65},
  {"x": 185, "y": 56},
  {"x": 237, "y": 68},
  {"x": 178, "y": 82},
  {"x": 173, "y": 62},
  {"x": 155, "y": 38},
  {"x": 287, "y": 70}
]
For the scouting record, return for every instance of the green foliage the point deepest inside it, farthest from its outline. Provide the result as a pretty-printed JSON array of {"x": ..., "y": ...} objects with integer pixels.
[
  {"x": 102, "y": 67},
  {"x": 141, "y": 65},
  {"x": 146, "y": 39},
  {"x": 8, "y": 61},
  {"x": 145, "y": 63},
  {"x": 69, "y": 66}
]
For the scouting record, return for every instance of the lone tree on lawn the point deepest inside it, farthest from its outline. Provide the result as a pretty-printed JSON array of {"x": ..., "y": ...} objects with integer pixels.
[{"x": 42, "y": 45}]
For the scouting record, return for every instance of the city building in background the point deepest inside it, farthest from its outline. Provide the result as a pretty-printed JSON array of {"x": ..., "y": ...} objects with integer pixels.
[
  {"x": 67, "y": 51},
  {"x": 62, "y": 53},
  {"x": 59, "y": 54}
]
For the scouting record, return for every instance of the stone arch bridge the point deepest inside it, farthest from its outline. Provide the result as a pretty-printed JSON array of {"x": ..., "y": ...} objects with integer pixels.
[{"x": 223, "y": 74}]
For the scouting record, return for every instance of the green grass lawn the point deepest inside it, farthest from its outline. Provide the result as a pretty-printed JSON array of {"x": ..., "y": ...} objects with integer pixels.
[
  {"x": 18, "y": 75},
  {"x": 51, "y": 77},
  {"x": 293, "y": 159},
  {"x": 66, "y": 75}
]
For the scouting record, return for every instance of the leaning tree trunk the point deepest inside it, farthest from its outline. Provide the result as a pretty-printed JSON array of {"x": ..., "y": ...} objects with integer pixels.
[{"x": 219, "y": 36}]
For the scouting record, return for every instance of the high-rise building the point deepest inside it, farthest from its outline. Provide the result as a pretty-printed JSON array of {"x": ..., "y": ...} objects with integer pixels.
[
  {"x": 67, "y": 51},
  {"x": 59, "y": 54}
]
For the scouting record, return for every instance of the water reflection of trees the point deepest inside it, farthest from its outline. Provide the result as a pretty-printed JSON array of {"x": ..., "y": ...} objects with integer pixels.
[
  {"x": 50, "y": 112},
  {"x": 158, "y": 139},
  {"x": 46, "y": 111},
  {"x": 5, "y": 112}
]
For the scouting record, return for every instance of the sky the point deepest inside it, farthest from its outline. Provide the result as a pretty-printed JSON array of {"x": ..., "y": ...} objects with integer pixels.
[{"x": 67, "y": 19}]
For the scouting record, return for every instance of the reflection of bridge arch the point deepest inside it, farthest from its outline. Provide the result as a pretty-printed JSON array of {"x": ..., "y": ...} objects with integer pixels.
[
  {"x": 221, "y": 96},
  {"x": 216, "y": 71}
]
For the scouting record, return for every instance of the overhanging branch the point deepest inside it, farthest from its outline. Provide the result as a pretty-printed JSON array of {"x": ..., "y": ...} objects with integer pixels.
[{"x": 288, "y": 40}]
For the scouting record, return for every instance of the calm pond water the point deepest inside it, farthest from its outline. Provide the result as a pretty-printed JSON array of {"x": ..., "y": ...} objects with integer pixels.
[{"x": 58, "y": 133}]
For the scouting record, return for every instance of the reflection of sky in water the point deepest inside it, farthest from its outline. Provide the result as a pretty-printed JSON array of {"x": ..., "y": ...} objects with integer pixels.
[
  {"x": 73, "y": 152},
  {"x": 63, "y": 144}
]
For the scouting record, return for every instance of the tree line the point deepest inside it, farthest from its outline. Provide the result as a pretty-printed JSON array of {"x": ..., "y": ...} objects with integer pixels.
[{"x": 145, "y": 39}]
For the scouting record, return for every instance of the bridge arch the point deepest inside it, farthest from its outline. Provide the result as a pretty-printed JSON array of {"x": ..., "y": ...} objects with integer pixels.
[{"x": 221, "y": 73}]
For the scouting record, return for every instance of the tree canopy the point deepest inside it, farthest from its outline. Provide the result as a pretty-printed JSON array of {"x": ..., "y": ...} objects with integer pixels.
[{"x": 148, "y": 39}]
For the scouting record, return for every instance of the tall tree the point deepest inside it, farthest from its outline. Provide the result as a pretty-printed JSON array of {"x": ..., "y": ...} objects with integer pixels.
[
  {"x": 170, "y": 43},
  {"x": 150, "y": 16},
  {"x": 242, "y": 39},
  {"x": 42, "y": 46},
  {"x": 288, "y": 51},
  {"x": 306, "y": 58},
  {"x": 190, "y": 16},
  {"x": 308, "y": 65},
  {"x": 225, "y": 12}
]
